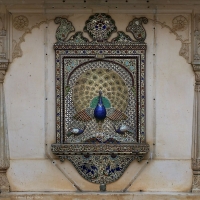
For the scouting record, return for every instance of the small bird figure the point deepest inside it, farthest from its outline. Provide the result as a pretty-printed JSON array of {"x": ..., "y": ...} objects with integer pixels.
[
  {"x": 75, "y": 131},
  {"x": 123, "y": 129}
]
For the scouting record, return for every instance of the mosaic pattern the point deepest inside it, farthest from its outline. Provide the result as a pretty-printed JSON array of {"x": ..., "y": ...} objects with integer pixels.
[
  {"x": 64, "y": 28},
  {"x": 136, "y": 28},
  {"x": 97, "y": 79},
  {"x": 100, "y": 26},
  {"x": 86, "y": 83},
  {"x": 122, "y": 38},
  {"x": 100, "y": 150},
  {"x": 72, "y": 149},
  {"x": 111, "y": 166},
  {"x": 102, "y": 76},
  {"x": 78, "y": 38},
  {"x": 20, "y": 22}
]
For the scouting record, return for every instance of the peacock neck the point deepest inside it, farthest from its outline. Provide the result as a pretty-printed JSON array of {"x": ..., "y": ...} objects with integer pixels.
[{"x": 100, "y": 99}]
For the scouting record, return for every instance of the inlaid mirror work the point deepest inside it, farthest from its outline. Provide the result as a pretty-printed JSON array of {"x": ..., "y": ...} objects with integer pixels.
[{"x": 100, "y": 97}]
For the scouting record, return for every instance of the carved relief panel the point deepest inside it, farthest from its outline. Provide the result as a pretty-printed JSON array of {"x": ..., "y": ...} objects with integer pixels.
[{"x": 100, "y": 98}]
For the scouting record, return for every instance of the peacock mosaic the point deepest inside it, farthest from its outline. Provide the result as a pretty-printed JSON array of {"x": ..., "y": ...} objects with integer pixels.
[{"x": 100, "y": 98}]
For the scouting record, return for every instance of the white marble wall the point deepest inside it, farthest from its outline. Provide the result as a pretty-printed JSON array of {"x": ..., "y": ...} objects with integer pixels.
[{"x": 30, "y": 105}]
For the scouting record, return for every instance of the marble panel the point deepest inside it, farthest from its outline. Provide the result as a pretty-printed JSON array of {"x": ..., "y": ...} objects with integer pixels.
[
  {"x": 25, "y": 97},
  {"x": 37, "y": 175},
  {"x": 174, "y": 99},
  {"x": 164, "y": 175}
]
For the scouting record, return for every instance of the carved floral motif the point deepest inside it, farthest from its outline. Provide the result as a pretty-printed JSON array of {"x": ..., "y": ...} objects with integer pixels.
[
  {"x": 179, "y": 23},
  {"x": 20, "y": 22},
  {"x": 3, "y": 68},
  {"x": 17, "y": 51},
  {"x": 197, "y": 77},
  {"x": 184, "y": 51}
]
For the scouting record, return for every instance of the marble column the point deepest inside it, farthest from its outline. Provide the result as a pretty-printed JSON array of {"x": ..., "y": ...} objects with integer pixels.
[
  {"x": 196, "y": 132},
  {"x": 4, "y": 150},
  {"x": 196, "y": 116}
]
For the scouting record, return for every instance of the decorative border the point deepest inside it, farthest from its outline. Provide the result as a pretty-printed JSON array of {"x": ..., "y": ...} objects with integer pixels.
[
  {"x": 106, "y": 51},
  {"x": 92, "y": 46},
  {"x": 79, "y": 149}
]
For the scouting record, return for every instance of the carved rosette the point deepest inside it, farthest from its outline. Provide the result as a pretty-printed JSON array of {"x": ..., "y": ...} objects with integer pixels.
[
  {"x": 20, "y": 23},
  {"x": 179, "y": 23}
]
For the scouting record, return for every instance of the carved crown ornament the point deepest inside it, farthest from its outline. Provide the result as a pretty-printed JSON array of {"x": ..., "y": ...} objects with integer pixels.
[
  {"x": 196, "y": 164},
  {"x": 196, "y": 68},
  {"x": 100, "y": 97}
]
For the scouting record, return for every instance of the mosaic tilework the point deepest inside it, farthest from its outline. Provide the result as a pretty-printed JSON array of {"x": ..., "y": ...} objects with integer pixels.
[
  {"x": 100, "y": 150},
  {"x": 136, "y": 28},
  {"x": 64, "y": 29},
  {"x": 111, "y": 167},
  {"x": 100, "y": 26}
]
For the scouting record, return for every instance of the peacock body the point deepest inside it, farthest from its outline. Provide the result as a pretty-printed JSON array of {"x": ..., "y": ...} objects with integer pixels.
[{"x": 100, "y": 110}]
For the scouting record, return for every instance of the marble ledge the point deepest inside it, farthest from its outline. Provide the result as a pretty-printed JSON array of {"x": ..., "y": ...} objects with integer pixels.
[
  {"x": 82, "y": 9},
  {"x": 99, "y": 196}
]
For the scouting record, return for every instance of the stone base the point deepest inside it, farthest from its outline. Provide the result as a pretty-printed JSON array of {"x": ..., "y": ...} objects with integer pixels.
[
  {"x": 196, "y": 191},
  {"x": 99, "y": 196},
  {"x": 196, "y": 183},
  {"x": 4, "y": 184}
]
